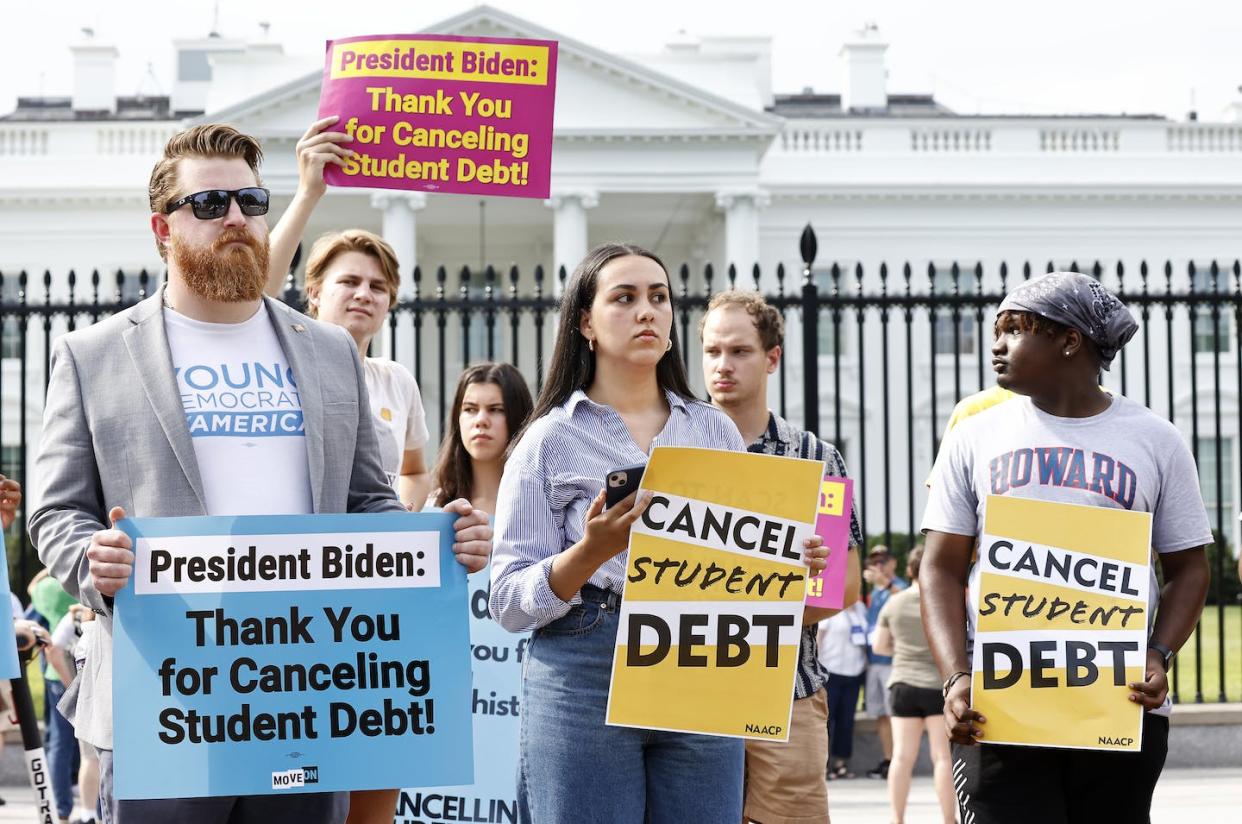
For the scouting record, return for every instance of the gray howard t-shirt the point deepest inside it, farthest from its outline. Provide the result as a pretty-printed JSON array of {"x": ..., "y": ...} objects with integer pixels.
[
  {"x": 1126, "y": 457},
  {"x": 913, "y": 664}
]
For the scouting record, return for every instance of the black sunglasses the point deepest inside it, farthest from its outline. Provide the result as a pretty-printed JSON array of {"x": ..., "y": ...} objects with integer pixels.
[{"x": 214, "y": 203}]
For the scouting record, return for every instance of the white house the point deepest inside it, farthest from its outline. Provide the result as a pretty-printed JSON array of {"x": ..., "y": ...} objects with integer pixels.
[{"x": 691, "y": 152}]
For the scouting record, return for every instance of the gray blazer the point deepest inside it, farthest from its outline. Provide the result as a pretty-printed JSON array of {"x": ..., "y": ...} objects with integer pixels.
[{"x": 115, "y": 434}]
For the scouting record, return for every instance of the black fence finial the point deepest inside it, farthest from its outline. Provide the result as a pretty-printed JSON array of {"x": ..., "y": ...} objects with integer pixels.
[{"x": 809, "y": 246}]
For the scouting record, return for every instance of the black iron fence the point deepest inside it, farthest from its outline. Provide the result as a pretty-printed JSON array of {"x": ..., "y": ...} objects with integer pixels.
[{"x": 876, "y": 357}]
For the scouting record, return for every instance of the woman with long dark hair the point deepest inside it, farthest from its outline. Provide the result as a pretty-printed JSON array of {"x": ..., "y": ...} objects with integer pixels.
[
  {"x": 490, "y": 406},
  {"x": 616, "y": 388}
]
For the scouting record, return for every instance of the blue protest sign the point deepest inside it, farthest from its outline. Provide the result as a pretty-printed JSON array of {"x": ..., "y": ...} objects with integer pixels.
[
  {"x": 269, "y": 654},
  {"x": 9, "y": 666},
  {"x": 496, "y": 661}
]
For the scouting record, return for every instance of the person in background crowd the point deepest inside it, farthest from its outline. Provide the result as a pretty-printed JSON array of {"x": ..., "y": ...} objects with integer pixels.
[
  {"x": 1053, "y": 335},
  {"x": 68, "y": 636},
  {"x": 914, "y": 696},
  {"x": 49, "y": 599},
  {"x": 881, "y": 573},
  {"x": 967, "y": 407},
  {"x": 742, "y": 337},
  {"x": 10, "y": 499},
  {"x": 8, "y": 513},
  {"x": 30, "y": 634},
  {"x": 1239, "y": 551},
  {"x": 843, "y": 655},
  {"x": 126, "y": 375},
  {"x": 490, "y": 406},
  {"x": 615, "y": 388}
]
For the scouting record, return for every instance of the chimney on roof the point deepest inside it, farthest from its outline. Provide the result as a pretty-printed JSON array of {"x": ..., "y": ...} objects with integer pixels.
[
  {"x": 94, "y": 75},
  {"x": 194, "y": 70},
  {"x": 865, "y": 82}
]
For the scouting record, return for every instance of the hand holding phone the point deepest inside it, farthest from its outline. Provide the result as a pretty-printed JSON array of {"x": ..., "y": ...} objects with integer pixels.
[
  {"x": 619, "y": 483},
  {"x": 606, "y": 530}
]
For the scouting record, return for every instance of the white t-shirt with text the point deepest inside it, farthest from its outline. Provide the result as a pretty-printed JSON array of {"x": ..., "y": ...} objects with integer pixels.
[
  {"x": 244, "y": 414},
  {"x": 1126, "y": 457},
  {"x": 843, "y": 641}
]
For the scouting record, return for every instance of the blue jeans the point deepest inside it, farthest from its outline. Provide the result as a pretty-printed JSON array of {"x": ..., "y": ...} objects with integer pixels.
[
  {"x": 575, "y": 770},
  {"x": 61, "y": 748},
  {"x": 842, "y": 702}
]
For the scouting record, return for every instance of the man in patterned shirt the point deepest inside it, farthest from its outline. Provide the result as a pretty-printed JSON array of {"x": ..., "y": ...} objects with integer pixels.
[{"x": 742, "y": 337}]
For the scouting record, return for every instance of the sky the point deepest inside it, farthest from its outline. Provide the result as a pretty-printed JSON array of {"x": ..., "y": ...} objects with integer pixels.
[{"x": 976, "y": 56}]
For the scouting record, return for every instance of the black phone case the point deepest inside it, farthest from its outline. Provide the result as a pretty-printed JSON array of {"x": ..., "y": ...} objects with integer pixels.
[{"x": 617, "y": 488}]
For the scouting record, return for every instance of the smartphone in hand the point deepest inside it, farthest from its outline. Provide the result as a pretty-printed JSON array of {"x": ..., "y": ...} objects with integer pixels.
[{"x": 621, "y": 482}]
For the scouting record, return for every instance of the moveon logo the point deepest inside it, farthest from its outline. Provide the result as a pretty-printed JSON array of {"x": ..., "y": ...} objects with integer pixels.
[{"x": 292, "y": 779}]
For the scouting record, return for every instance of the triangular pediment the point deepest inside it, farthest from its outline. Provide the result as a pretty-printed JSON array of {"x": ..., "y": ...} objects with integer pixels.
[{"x": 598, "y": 93}]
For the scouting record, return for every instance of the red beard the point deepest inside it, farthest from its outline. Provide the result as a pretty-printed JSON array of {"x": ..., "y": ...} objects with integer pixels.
[{"x": 224, "y": 272}]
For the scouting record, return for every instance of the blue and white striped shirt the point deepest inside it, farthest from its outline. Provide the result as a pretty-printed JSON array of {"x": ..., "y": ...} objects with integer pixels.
[{"x": 549, "y": 481}]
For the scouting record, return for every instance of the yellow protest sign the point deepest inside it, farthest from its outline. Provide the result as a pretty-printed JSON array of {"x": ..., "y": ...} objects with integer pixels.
[
  {"x": 711, "y": 618},
  {"x": 1061, "y": 603}
]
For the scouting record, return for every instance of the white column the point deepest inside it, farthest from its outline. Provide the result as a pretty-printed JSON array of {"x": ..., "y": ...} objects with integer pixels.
[
  {"x": 741, "y": 209},
  {"x": 400, "y": 229},
  {"x": 569, "y": 230}
]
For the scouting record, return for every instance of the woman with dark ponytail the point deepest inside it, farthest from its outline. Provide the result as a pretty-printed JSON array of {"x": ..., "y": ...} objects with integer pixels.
[{"x": 616, "y": 388}]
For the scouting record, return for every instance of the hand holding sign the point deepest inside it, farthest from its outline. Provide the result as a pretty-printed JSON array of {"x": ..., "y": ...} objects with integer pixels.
[
  {"x": 315, "y": 150},
  {"x": 816, "y": 555},
  {"x": 111, "y": 561},
  {"x": 1152, "y": 691},
  {"x": 472, "y": 535},
  {"x": 10, "y": 497},
  {"x": 959, "y": 719}
]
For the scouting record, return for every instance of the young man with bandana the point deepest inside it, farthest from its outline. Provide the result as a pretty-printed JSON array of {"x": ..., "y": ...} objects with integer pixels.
[{"x": 1053, "y": 335}]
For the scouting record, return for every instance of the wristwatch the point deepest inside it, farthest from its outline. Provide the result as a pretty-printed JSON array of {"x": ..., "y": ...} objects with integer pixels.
[{"x": 1165, "y": 653}]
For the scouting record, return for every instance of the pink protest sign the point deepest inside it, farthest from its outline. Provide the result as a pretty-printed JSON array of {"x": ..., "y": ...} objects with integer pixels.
[
  {"x": 441, "y": 113},
  {"x": 832, "y": 523}
]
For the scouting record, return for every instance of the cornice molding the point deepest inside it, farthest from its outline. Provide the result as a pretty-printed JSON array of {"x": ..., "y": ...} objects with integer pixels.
[
  {"x": 1001, "y": 192},
  {"x": 414, "y": 201}
]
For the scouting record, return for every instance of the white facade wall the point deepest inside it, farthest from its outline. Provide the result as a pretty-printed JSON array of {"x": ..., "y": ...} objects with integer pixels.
[{"x": 701, "y": 173}]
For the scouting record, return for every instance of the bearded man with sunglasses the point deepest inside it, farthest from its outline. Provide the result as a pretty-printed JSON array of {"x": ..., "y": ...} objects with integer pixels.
[{"x": 205, "y": 399}]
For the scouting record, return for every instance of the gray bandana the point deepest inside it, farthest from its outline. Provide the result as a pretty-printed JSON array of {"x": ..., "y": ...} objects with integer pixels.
[{"x": 1078, "y": 301}]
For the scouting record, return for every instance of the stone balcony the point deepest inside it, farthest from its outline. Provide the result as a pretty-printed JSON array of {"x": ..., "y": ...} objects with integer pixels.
[{"x": 1004, "y": 151}]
